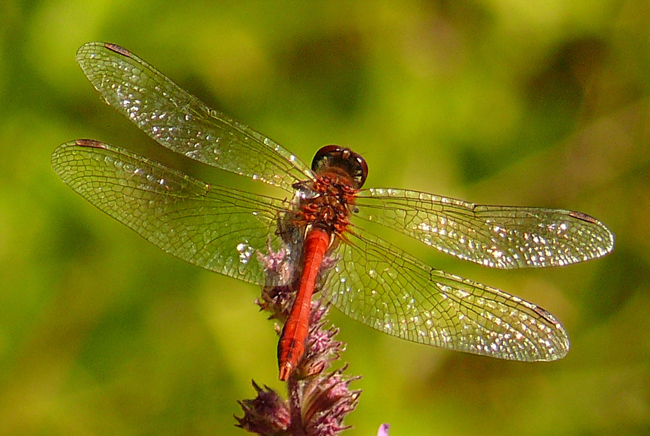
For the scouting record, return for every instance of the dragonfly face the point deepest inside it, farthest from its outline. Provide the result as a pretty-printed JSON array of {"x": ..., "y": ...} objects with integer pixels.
[
  {"x": 347, "y": 164},
  {"x": 228, "y": 230}
]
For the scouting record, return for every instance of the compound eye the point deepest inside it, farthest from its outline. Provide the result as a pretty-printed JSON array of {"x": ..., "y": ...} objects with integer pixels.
[
  {"x": 322, "y": 156},
  {"x": 363, "y": 170},
  {"x": 342, "y": 158}
]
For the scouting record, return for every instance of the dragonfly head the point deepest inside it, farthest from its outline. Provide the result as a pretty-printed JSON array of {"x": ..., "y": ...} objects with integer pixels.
[{"x": 341, "y": 160}]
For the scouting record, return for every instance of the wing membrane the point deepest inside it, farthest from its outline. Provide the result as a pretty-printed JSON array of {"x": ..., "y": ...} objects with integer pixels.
[
  {"x": 214, "y": 227},
  {"x": 380, "y": 285},
  {"x": 494, "y": 236},
  {"x": 181, "y": 122}
]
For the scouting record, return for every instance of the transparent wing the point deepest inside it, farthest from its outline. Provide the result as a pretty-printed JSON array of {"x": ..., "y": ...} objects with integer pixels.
[
  {"x": 214, "y": 227},
  {"x": 391, "y": 291},
  {"x": 494, "y": 236},
  {"x": 181, "y": 122}
]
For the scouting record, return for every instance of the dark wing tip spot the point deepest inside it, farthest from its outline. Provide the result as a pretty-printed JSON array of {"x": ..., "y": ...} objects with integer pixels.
[
  {"x": 89, "y": 143},
  {"x": 117, "y": 49},
  {"x": 547, "y": 316},
  {"x": 583, "y": 217}
]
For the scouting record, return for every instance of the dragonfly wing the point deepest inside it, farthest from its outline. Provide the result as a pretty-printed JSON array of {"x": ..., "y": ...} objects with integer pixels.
[
  {"x": 494, "y": 236},
  {"x": 214, "y": 227},
  {"x": 181, "y": 122},
  {"x": 391, "y": 291}
]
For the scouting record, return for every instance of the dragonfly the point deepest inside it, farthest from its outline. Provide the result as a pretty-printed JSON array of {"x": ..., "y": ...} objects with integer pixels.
[{"x": 318, "y": 224}]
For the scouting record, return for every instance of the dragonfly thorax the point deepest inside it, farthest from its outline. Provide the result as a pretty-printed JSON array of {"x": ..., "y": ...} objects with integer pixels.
[{"x": 324, "y": 203}]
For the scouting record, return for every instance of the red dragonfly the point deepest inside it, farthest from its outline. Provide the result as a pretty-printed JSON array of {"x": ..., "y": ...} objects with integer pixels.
[{"x": 228, "y": 231}]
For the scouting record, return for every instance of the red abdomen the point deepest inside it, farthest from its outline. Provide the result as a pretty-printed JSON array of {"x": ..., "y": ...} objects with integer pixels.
[{"x": 292, "y": 342}]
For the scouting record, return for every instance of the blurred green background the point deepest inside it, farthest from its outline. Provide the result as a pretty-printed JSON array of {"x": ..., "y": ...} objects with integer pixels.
[{"x": 541, "y": 103}]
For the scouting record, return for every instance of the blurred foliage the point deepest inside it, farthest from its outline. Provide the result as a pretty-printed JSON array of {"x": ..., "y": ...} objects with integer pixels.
[{"x": 501, "y": 101}]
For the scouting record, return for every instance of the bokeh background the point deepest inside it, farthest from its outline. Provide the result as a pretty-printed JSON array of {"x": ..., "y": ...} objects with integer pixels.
[{"x": 541, "y": 103}]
